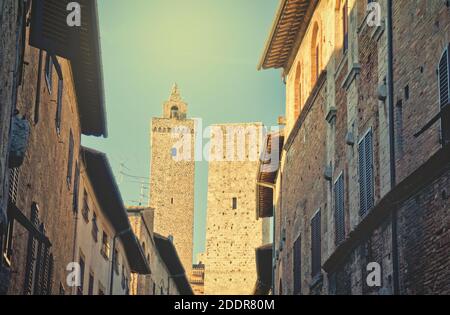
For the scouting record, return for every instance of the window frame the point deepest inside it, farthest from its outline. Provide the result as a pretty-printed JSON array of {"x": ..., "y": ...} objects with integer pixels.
[
  {"x": 444, "y": 108},
  {"x": 105, "y": 249},
  {"x": 234, "y": 203},
  {"x": 364, "y": 211},
  {"x": 297, "y": 265},
  {"x": 59, "y": 99},
  {"x": 339, "y": 238},
  {"x": 345, "y": 27},
  {"x": 316, "y": 260},
  {"x": 70, "y": 160},
  {"x": 49, "y": 73}
]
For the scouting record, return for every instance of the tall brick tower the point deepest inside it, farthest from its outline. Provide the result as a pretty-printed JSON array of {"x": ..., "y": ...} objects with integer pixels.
[
  {"x": 233, "y": 232},
  {"x": 172, "y": 177}
]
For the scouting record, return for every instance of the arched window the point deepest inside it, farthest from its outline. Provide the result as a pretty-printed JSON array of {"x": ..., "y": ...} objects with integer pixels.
[
  {"x": 174, "y": 112},
  {"x": 315, "y": 54},
  {"x": 298, "y": 90}
]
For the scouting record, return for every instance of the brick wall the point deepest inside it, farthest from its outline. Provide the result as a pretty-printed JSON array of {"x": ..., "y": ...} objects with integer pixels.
[
  {"x": 424, "y": 239},
  {"x": 353, "y": 83},
  {"x": 415, "y": 63},
  {"x": 304, "y": 191}
]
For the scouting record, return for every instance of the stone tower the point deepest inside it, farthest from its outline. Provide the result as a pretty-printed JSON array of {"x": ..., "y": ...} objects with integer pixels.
[
  {"x": 172, "y": 176},
  {"x": 233, "y": 232}
]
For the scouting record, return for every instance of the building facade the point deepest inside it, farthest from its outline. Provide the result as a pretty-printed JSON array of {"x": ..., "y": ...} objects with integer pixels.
[
  {"x": 364, "y": 175},
  {"x": 52, "y": 110},
  {"x": 172, "y": 175},
  {"x": 11, "y": 18},
  {"x": 161, "y": 281},
  {"x": 198, "y": 278},
  {"x": 106, "y": 249},
  {"x": 233, "y": 232}
]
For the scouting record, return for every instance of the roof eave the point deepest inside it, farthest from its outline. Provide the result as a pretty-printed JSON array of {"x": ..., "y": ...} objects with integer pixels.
[{"x": 269, "y": 40}]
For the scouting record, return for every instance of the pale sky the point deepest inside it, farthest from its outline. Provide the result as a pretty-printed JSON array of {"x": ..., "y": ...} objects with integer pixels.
[{"x": 211, "y": 49}]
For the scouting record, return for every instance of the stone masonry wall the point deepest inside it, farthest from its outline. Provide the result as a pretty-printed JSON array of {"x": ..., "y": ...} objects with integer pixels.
[
  {"x": 8, "y": 54},
  {"x": 43, "y": 175},
  {"x": 8, "y": 31},
  {"x": 172, "y": 188},
  {"x": 232, "y": 234}
]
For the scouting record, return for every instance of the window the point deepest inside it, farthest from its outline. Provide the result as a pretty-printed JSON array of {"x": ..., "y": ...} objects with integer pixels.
[
  {"x": 298, "y": 90},
  {"x": 315, "y": 54},
  {"x": 70, "y": 160},
  {"x": 94, "y": 227},
  {"x": 62, "y": 290},
  {"x": 38, "y": 90},
  {"x": 59, "y": 105},
  {"x": 60, "y": 94},
  {"x": 91, "y": 284},
  {"x": 316, "y": 246},
  {"x": 345, "y": 26},
  {"x": 76, "y": 188},
  {"x": 82, "y": 266},
  {"x": 339, "y": 212},
  {"x": 13, "y": 184},
  {"x": 7, "y": 242},
  {"x": 399, "y": 128},
  {"x": 174, "y": 112},
  {"x": 124, "y": 280},
  {"x": 366, "y": 176},
  {"x": 49, "y": 72},
  {"x": 105, "y": 246},
  {"x": 444, "y": 95},
  {"x": 116, "y": 261},
  {"x": 298, "y": 266},
  {"x": 234, "y": 203},
  {"x": 85, "y": 211},
  {"x": 101, "y": 289}
]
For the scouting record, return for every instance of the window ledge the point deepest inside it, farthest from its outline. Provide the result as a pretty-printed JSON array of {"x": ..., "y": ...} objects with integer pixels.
[
  {"x": 341, "y": 64},
  {"x": 351, "y": 76}
]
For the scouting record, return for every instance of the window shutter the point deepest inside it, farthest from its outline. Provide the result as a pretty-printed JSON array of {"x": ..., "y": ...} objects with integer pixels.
[
  {"x": 31, "y": 255},
  {"x": 369, "y": 171},
  {"x": 362, "y": 180},
  {"x": 297, "y": 266},
  {"x": 76, "y": 186},
  {"x": 316, "y": 260},
  {"x": 45, "y": 271},
  {"x": 13, "y": 184},
  {"x": 366, "y": 177},
  {"x": 49, "y": 29},
  {"x": 444, "y": 86},
  {"x": 70, "y": 160},
  {"x": 444, "y": 95},
  {"x": 339, "y": 210}
]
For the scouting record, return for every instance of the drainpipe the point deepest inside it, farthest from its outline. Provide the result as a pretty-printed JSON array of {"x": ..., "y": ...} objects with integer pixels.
[
  {"x": 114, "y": 258},
  {"x": 390, "y": 82}
]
